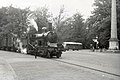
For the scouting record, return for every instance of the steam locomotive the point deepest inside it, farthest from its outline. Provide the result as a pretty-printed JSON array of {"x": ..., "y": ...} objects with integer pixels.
[{"x": 44, "y": 44}]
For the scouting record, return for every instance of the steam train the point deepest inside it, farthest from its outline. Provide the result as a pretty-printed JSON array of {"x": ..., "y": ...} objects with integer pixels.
[{"x": 44, "y": 44}]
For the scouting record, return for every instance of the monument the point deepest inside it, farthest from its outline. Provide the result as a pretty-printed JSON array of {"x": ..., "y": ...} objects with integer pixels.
[{"x": 113, "y": 42}]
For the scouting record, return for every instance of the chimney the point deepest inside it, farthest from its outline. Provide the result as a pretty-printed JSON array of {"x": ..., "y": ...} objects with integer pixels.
[{"x": 50, "y": 27}]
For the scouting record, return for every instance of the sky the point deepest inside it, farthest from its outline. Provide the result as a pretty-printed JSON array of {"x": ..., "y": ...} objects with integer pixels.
[{"x": 71, "y": 6}]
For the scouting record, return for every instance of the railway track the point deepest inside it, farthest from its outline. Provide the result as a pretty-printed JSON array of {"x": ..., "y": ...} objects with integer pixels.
[{"x": 87, "y": 67}]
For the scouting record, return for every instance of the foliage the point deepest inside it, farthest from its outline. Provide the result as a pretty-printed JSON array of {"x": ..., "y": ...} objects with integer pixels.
[
  {"x": 13, "y": 20},
  {"x": 79, "y": 28},
  {"x": 72, "y": 29},
  {"x": 100, "y": 22},
  {"x": 59, "y": 22},
  {"x": 43, "y": 16}
]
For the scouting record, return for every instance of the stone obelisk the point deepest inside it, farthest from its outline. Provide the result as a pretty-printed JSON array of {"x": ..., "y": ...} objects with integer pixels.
[{"x": 113, "y": 42}]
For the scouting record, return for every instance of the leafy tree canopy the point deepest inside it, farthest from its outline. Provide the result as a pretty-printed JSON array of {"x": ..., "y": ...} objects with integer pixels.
[{"x": 100, "y": 22}]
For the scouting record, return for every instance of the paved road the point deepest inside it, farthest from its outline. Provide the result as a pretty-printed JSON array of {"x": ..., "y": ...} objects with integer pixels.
[
  {"x": 28, "y": 68},
  {"x": 106, "y": 60}
]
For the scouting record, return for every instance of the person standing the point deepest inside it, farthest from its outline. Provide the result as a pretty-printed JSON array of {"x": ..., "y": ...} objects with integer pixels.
[{"x": 35, "y": 49}]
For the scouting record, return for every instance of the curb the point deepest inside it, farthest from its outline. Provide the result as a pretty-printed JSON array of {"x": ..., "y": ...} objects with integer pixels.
[
  {"x": 6, "y": 71},
  {"x": 104, "y": 51}
]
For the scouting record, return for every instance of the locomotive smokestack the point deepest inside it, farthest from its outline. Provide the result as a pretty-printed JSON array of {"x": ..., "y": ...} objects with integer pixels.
[{"x": 50, "y": 27}]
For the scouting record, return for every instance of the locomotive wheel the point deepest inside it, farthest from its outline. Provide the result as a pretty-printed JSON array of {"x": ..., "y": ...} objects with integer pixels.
[{"x": 58, "y": 54}]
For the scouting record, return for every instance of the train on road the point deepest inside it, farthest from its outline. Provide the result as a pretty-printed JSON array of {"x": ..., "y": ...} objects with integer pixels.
[{"x": 44, "y": 44}]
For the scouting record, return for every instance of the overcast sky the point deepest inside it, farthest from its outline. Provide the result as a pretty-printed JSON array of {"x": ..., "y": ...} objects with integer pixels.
[{"x": 71, "y": 6}]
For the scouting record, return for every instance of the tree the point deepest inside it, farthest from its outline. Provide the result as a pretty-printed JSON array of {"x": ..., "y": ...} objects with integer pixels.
[
  {"x": 42, "y": 17},
  {"x": 58, "y": 19},
  {"x": 72, "y": 29},
  {"x": 13, "y": 20},
  {"x": 100, "y": 22},
  {"x": 66, "y": 30},
  {"x": 78, "y": 24},
  {"x": 59, "y": 22}
]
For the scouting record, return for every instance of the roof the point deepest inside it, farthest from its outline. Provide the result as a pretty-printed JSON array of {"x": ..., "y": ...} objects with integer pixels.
[{"x": 72, "y": 43}]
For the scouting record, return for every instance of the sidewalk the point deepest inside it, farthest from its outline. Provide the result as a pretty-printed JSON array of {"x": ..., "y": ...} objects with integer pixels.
[
  {"x": 103, "y": 51},
  {"x": 6, "y": 71}
]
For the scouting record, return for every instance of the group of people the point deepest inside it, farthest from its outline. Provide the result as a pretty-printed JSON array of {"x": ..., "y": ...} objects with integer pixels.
[{"x": 94, "y": 46}]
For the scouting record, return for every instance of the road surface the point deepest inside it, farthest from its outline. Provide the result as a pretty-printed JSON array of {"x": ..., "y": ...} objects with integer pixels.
[{"x": 77, "y": 65}]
